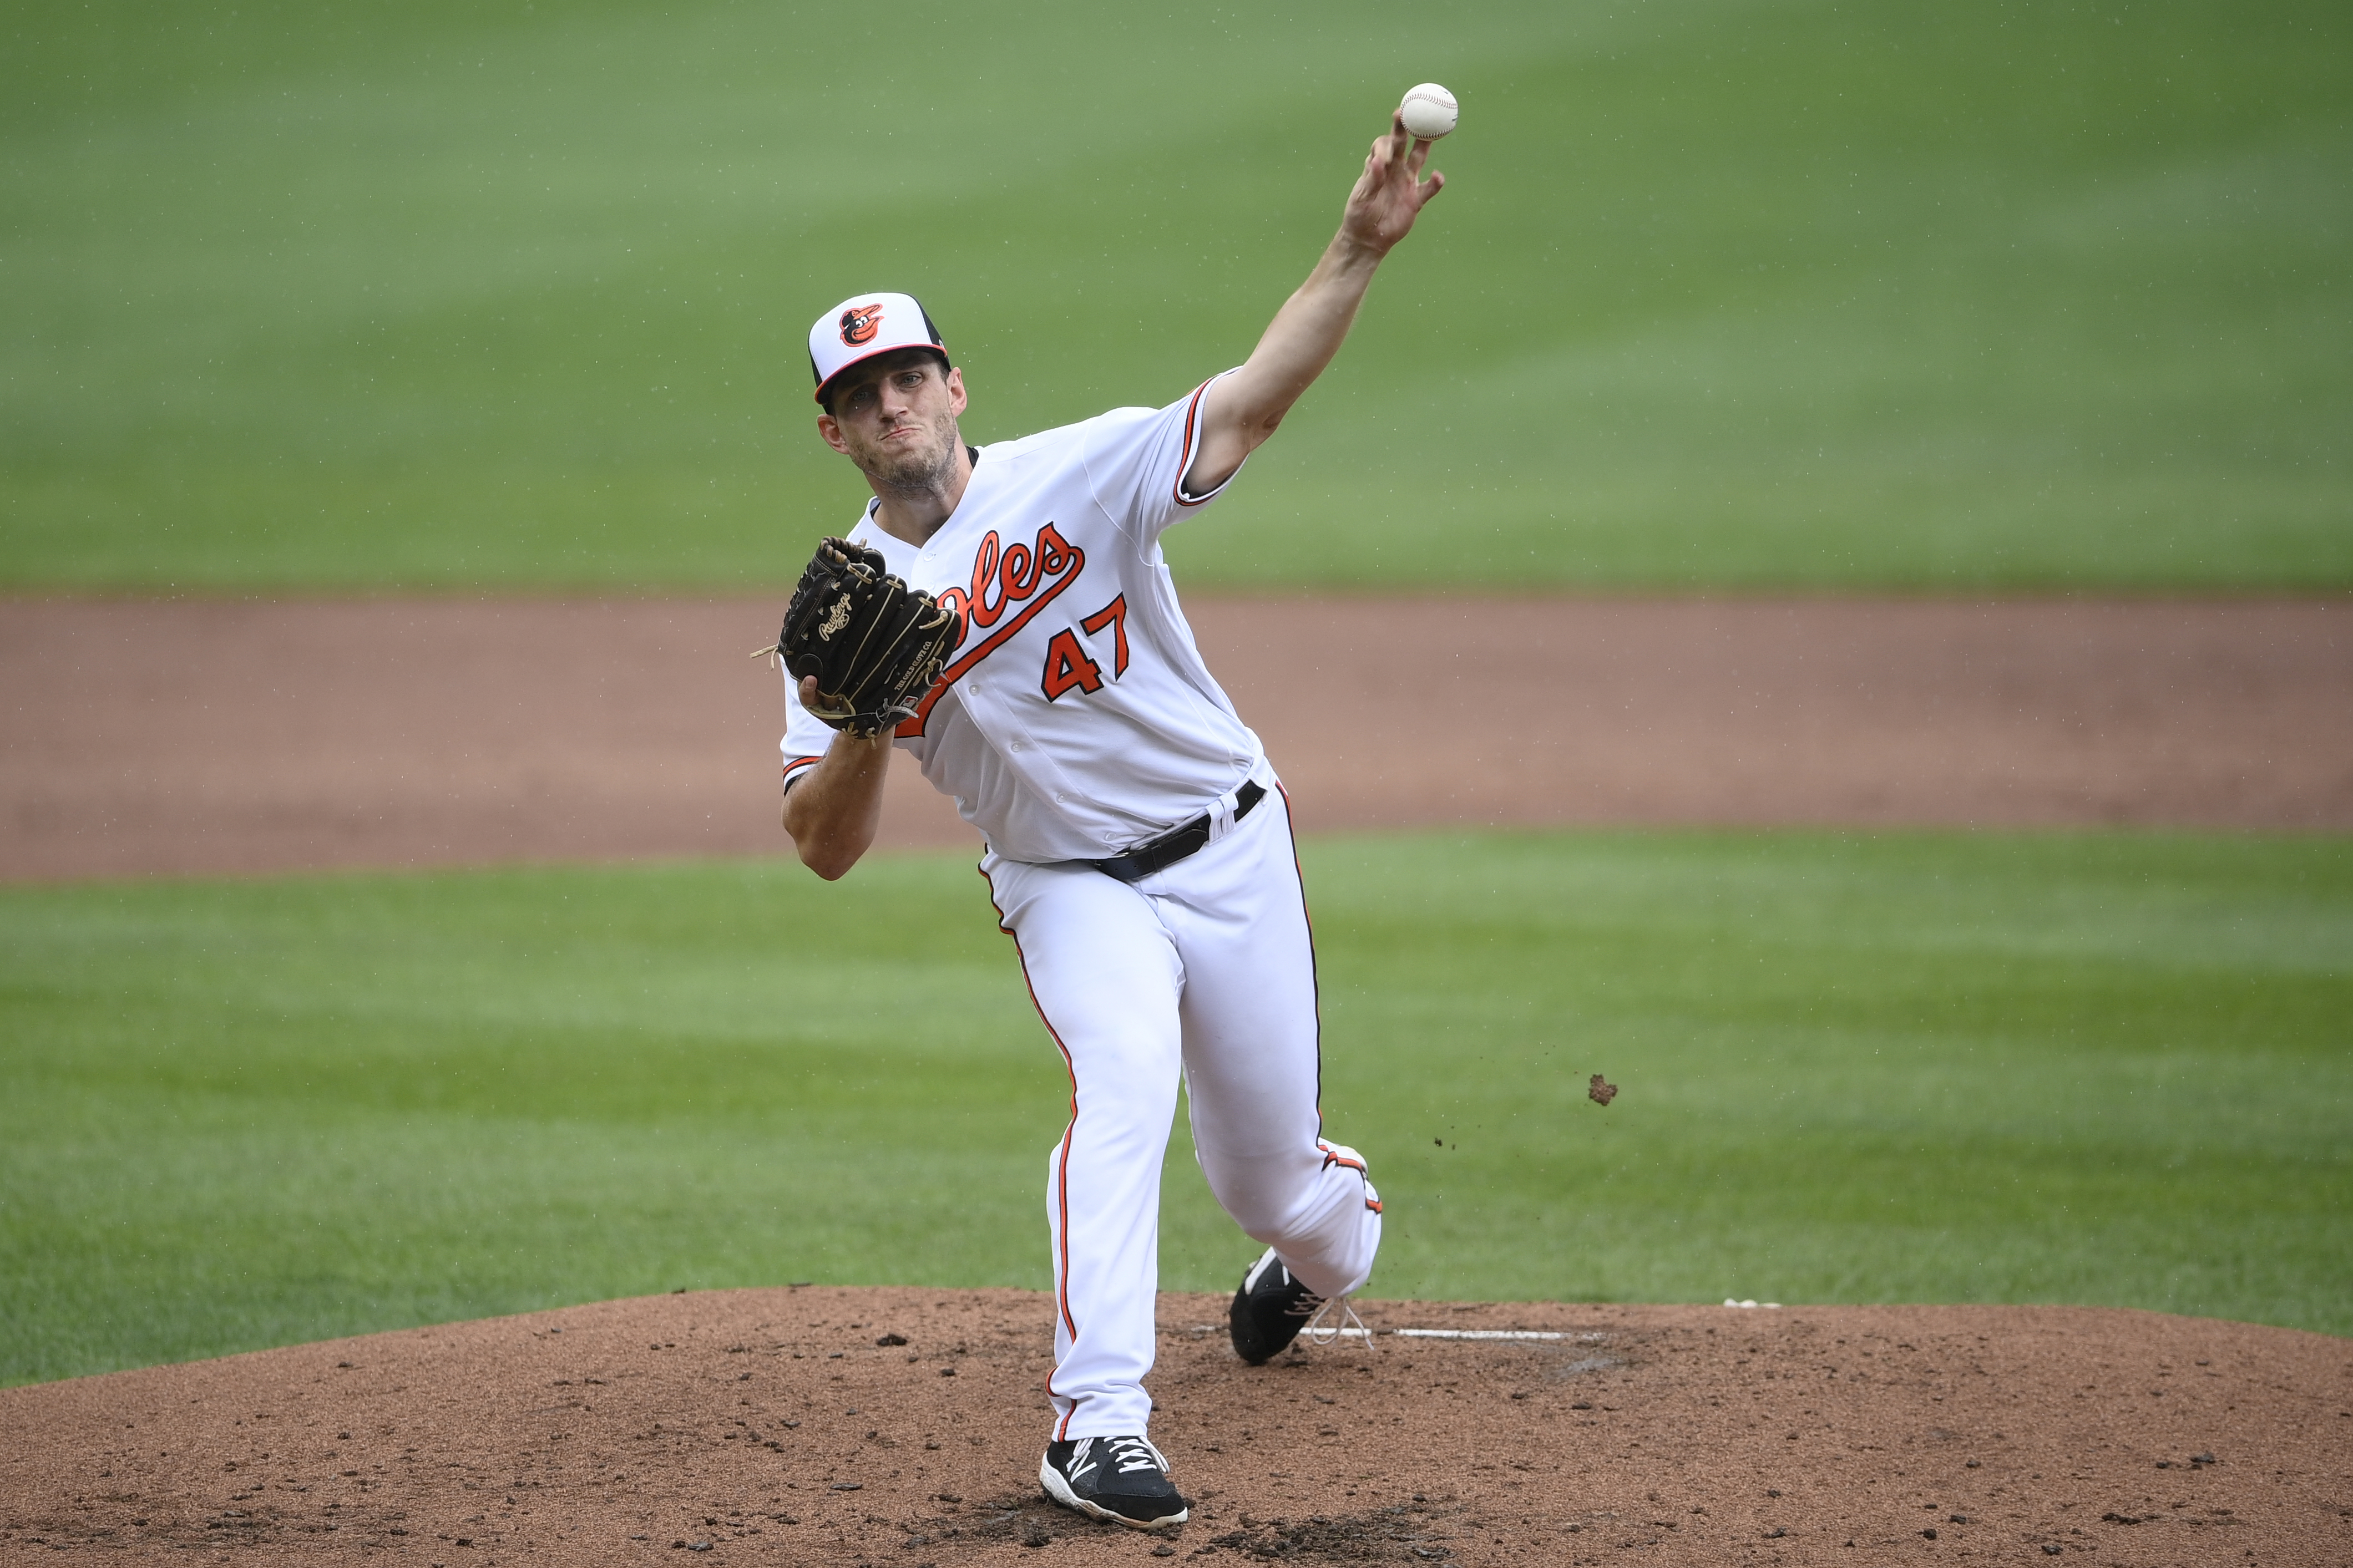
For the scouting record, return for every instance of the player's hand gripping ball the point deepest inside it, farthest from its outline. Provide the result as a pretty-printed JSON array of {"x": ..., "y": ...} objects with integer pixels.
[
  {"x": 874, "y": 644},
  {"x": 1428, "y": 111}
]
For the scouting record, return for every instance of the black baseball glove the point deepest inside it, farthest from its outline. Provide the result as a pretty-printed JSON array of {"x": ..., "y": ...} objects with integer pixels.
[{"x": 874, "y": 643}]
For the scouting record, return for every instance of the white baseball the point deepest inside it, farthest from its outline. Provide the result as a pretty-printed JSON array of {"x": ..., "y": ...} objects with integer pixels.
[{"x": 1430, "y": 111}]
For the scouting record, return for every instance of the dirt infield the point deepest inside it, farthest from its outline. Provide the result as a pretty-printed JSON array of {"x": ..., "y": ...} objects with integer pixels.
[
  {"x": 772, "y": 1427},
  {"x": 207, "y": 736},
  {"x": 840, "y": 1426}
]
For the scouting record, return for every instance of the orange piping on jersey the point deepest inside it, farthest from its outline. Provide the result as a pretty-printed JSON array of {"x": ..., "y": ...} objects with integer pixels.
[
  {"x": 803, "y": 762},
  {"x": 1333, "y": 1157},
  {"x": 1185, "y": 458},
  {"x": 1073, "y": 561}
]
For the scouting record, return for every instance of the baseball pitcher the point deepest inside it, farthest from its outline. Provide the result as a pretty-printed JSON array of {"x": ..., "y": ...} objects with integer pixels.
[{"x": 1002, "y": 614}]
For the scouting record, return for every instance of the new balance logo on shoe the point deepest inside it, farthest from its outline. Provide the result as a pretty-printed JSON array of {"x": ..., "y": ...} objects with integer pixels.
[{"x": 1123, "y": 1480}]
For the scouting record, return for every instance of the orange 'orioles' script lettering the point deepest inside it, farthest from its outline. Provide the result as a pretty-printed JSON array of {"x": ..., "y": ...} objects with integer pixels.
[{"x": 1003, "y": 576}]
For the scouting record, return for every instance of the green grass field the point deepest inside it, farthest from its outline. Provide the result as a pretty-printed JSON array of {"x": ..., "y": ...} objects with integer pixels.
[
  {"x": 2100, "y": 1068},
  {"x": 428, "y": 295}
]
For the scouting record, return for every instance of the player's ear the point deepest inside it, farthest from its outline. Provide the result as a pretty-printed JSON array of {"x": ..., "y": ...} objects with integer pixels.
[
  {"x": 955, "y": 389},
  {"x": 829, "y": 429}
]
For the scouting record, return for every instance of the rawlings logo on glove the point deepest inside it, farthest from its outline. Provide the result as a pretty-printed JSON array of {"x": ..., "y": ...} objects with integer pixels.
[{"x": 874, "y": 644}]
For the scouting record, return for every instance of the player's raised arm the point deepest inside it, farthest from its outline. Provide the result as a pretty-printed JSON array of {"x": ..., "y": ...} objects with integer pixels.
[{"x": 1244, "y": 408}]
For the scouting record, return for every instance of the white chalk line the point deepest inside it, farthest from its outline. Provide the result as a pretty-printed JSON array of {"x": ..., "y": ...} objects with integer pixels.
[
  {"x": 1451, "y": 1334},
  {"x": 1489, "y": 1334}
]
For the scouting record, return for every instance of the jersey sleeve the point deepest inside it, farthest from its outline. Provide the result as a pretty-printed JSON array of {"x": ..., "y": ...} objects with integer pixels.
[
  {"x": 806, "y": 736},
  {"x": 1137, "y": 459}
]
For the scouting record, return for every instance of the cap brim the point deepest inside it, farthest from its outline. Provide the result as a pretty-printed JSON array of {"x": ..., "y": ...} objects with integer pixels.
[{"x": 842, "y": 369}]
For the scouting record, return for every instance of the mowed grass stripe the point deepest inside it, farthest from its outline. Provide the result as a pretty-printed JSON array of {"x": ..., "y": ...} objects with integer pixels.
[
  {"x": 1791, "y": 293},
  {"x": 2106, "y": 1068}
]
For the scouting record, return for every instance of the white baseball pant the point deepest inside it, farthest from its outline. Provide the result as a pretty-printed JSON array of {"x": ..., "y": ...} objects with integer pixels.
[{"x": 1206, "y": 967}]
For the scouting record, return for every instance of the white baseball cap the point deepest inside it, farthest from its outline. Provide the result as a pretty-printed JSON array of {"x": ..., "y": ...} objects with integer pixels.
[{"x": 865, "y": 325}]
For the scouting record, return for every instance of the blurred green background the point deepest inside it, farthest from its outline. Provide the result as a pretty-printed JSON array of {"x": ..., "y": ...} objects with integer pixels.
[
  {"x": 366, "y": 295},
  {"x": 379, "y": 297},
  {"x": 2088, "y": 1067}
]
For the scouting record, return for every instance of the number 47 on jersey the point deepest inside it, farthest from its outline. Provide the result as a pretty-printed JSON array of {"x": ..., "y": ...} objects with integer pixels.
[{"x": 1067, "y": 666}]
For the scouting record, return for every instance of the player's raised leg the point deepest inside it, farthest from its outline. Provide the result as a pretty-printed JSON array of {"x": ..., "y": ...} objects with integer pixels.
[{"x": 1253, "y": 1060}]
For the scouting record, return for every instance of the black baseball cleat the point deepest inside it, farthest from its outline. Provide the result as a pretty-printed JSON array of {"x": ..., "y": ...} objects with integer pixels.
[
  {"x": 1123, "y": 1480},
  {"x": 1269, "y": 1310}
]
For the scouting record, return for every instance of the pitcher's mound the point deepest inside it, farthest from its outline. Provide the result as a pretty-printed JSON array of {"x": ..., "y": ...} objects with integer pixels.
[{"x": 904, "y": 1426}]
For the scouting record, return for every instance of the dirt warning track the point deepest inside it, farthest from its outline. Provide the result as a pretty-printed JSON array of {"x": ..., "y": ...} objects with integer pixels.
[
  {"x": 841, "y": 1427},
  {"x": 198, "y": 736}
]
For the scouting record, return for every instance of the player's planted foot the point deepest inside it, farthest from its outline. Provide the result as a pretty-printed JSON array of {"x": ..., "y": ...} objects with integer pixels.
[
  {"x": 1269, "y": 1310},
  {"x": 1123, "y": 1480}
]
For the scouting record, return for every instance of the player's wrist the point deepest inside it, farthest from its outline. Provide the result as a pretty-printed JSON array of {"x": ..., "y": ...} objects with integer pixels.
[
  {"x": 1350, "y": 250},
  {"x": 859, "y": 748}
]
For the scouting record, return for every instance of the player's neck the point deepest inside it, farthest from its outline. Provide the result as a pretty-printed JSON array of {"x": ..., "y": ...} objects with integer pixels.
[{"x": 914, "y": 515}]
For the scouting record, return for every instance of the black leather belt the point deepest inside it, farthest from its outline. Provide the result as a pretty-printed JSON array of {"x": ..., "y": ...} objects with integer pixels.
[{"x": 1177, "y": 843}]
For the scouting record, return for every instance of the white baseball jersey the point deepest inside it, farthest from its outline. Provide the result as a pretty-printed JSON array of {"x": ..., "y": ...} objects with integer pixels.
[{"x": 1076, "y": 719}]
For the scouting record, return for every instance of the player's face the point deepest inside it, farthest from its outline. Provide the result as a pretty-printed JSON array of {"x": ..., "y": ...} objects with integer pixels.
[{"x": 895, "y": 417}]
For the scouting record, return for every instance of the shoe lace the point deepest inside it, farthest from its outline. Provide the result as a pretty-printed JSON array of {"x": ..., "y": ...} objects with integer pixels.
[
  {"x": 1334, "y": 1320},
  {"x": 1131, "y": 1454}
]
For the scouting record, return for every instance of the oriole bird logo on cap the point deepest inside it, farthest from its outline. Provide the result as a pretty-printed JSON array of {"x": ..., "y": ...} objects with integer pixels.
[{"x": 858, "y": 326}]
